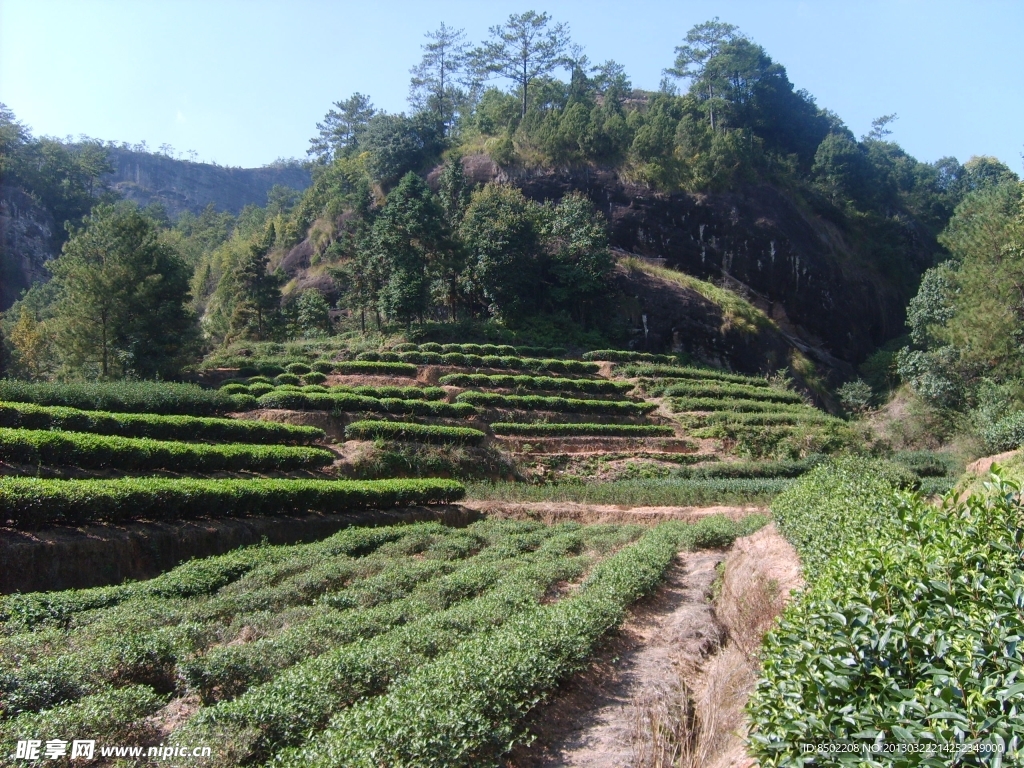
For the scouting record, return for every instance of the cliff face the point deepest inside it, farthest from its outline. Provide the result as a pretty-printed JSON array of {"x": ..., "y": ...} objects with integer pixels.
[
  {"x": 796, "y": 266},
  {"x": 27, "y": 230},
  {"x": 182, "y": 186},
  {"x": 26, "y": 243}
]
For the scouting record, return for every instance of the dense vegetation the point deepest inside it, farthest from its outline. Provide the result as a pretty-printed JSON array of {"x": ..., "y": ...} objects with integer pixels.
[{"x": 908, "y": 635}]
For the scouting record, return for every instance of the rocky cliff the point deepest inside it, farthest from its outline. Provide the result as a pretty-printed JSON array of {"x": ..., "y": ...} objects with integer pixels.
[
  {"x": 182, "y": 186},
  {"x": 761, "y": 243}
]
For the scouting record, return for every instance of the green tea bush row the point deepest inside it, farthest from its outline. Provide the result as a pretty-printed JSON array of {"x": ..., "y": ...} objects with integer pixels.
[
  {"x": 80, "y": 449},
  {"x": 423, "y": 433},
  {"x": 752, "y": 469},
  {"x": 189, "y": 641},
  {"x": 283, "y": 711},
  {"x": 790, "y": 418},
  {"x": 259, "y": 389},
  {"x": 702, "y": 389},
  {"x": 688, "y": 372},
  {"x": 481, "y": 349},
  {"x": 302, "y": 401},
  {"x": 626, "y": 356},
  {"x": 28, "y": 416},
  {"x": 582, "y": 430},
  {"x": 122, "y": 396},
  {"x": 115, "y": 716},
  {"x": 247, "y": 570},
  {"x": 466, "y": 708},
  {"x": 461, "y": 360},
  {"x": 368, "y": 367},
  {"x": 30, "y": 502},
  {"x": 564, "y": 404},
  {"x": 597, "y": 386},
  {"x": 673, "y": 492},
  {"x": 909, "y": 633},
  {"x": 738, "y": 405}
]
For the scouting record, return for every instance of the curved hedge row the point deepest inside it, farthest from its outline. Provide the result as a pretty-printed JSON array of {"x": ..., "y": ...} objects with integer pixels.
[
  {"x": 303, "y": 401},
  {"x": 371, "y": 367},
  {"x": 599, "y": 386},
  {"x": 570, "y": 405},
  {"x": 627, "y": 356},
  {"x": 153, "y": 426},
  {"x": 462, "y": 360},
  {"x": 78, "y": 449},
  {"x": 739, "y": 405},
  {"x": 481, "y": 349},
  {"x": 582, "y": 430},
  {"x": 423, "y": 433},
  {"x": 688, "y": 372},
  {"x": 724, "y": 390},
  {"x": 121, "y": 396},
  {"x": 258, "y": 389},
  {"x": 29, "y": 501}
]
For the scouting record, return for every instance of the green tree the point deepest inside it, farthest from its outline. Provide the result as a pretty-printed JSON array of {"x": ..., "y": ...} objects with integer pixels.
[
  {"x": 313, "y": 313},
  {"x": 123, "y": 294},
  {"x": 697, "y": 60},
  {"x": 258, "y": 300},
  {"x": 504, "y": 269},
  {"x": 576, "y": 238},
  {"x": 434, "y": 87},
  {"x": 407, "y": 235},
  {"x": 523, "y": 49},
  {"x": 342, "y": 129}
]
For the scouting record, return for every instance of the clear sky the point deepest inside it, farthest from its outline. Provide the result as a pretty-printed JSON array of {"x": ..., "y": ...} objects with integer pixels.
[{"x": 243, "y": 82}]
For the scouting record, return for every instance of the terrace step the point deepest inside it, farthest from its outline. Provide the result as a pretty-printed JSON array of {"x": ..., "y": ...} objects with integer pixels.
[{"x": 598, "y": 444}]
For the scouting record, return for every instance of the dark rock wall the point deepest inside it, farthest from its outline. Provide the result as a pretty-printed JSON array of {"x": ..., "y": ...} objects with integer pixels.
[
  {"x": 26, "y": 243},
  {"x": 797, "y": 266}
]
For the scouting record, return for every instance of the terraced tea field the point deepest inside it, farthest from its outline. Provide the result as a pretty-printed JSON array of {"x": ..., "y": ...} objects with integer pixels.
[{"x": 413, "y": 644}]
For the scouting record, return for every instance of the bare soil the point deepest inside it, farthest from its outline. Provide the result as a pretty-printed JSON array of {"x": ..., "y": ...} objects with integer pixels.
[{"x": 984, "y": 464}]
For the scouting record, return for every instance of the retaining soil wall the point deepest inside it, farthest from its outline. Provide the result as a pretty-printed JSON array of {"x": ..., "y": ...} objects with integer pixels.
[{"x": 98, "y": 555}]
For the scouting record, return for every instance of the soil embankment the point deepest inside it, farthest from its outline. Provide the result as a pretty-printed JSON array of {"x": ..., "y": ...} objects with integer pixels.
[{"x": 98, "y": 555}]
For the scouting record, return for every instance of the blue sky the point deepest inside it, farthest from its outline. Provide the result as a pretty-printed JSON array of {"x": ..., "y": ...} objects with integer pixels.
[{"x": 243, "y": 82}]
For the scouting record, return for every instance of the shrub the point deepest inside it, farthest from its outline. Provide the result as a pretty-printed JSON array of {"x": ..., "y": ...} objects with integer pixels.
[
  {"x": 121, "y": 396},
  {"x": 286, "y": 378},
  {"x": 625, "y": 356},
  {"x": 300, "y": 369},
  {"x": 259, "y": 380},
  {"x": 322, "y": 366},
  {"x": 353, "y": 403},
  {"x": 37, "y": 417},
  {"x": 243, "y": 402},
  {"x": 234, "y": 389},
  {"x": 537, "y": 403},
  {"x": 271, "y": 369},
  {"x": 404, "y": 347},
  {"x": 430, "y": 347},
  {"x": 260, "y": 388},
  {"x": 400, "y": 430},
  {"x": 910, "y": 630},
  {"x": 314, "y": 378},
  {"x": 30, "y": 502},
  {"x": 582, "y": 430},
  {"x": 369, "y": 367},
  {"x": 738, "y": 405}
]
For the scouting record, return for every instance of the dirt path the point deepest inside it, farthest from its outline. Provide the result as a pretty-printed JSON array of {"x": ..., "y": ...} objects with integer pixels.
[
  {"x": 671, "y": 686},
  {"x": 593, "y": 722}
]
